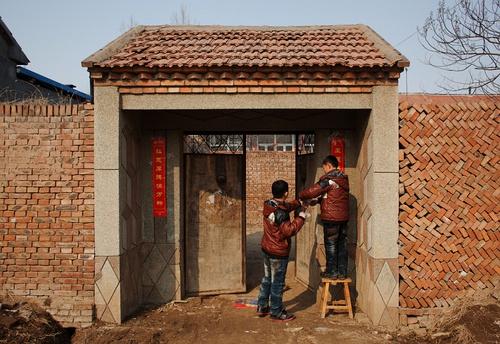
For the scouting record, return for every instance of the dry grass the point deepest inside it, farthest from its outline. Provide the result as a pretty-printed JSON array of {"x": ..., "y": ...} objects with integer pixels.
[
  {"x": 36, "y": 98},
  {"x": 462, "y": 319}
]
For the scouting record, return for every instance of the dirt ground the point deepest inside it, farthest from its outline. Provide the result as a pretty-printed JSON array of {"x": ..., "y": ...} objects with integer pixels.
[{"x": 216, "y": 320}]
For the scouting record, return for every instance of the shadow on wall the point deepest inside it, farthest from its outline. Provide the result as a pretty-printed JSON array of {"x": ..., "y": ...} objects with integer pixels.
[
  {"x": 317, "y": 261},
  {"x": 307, "y": 298},
  {"x": 254, "y": 266}
]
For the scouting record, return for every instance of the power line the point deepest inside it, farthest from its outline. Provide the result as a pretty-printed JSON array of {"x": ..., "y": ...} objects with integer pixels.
[{"x": 407, "y": 38}]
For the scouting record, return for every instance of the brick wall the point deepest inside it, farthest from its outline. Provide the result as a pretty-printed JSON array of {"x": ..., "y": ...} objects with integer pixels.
[
  {"x": 47, "y": 208},
  {"x": 262, "y": 169},
  {"x": 449, "y": 191}
]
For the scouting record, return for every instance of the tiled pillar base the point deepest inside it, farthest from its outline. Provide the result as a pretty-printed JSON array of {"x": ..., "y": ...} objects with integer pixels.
[{"x": 107, "y": 289}]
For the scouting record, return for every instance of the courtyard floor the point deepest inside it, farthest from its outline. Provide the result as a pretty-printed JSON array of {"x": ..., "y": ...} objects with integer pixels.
[{"x": 216, "y": 320}]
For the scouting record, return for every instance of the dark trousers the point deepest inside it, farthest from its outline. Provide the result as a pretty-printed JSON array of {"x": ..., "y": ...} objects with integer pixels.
[
  {"x": 273, "y": 283},
  {"x": 335, "y": 247}
]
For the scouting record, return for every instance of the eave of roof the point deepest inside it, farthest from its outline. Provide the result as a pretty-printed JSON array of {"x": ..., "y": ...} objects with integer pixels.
[
  {"x": 27, "y": 74},
  {"x": 15, "y": 52}
]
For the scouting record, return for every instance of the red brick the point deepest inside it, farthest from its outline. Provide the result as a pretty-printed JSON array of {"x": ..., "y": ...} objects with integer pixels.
[
  {"x": 32, "y": 196},
  {"x": 445, "y": 198}
]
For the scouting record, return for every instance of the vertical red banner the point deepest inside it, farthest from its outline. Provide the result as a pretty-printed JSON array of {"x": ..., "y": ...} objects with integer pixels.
[
  {"x": 159, "y": 177},
  {"x": 337, "y": 149}
]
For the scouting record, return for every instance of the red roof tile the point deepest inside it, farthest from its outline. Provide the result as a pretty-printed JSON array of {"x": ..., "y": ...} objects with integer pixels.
[{"x": 164, "y": 47}]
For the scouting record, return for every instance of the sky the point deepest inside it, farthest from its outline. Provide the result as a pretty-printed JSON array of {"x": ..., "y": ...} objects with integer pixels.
[{"x": 57, "y": 35}]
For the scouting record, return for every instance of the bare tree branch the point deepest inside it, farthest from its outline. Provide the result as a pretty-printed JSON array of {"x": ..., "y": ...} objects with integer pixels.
[
  {"x": 462, "y": 38},
  {"x": 127, "y": 25},
  {"x": 182, "y": 16}
]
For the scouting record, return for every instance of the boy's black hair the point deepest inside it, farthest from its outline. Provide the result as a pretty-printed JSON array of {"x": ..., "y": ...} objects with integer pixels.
[
  {"x": 279, "y": 188},
  {"x": 331, "y": 159}
]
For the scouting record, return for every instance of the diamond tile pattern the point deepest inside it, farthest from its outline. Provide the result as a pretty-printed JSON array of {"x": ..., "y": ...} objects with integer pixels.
[
  {"x": 217, "y": 46},
  {"x": 386, "y": 283},
  {"x": 159, "y": 281},
  {"x": 155, "y": 264},
  {"x": 108, "y": 282}
]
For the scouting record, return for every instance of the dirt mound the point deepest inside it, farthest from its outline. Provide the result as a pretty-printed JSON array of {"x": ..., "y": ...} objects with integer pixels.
[
  {"x": 473, "y": 319},
  {"x": 24, "y": 322}
]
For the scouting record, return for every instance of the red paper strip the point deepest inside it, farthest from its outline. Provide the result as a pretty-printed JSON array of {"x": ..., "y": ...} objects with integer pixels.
[
  {"x": 337, "y": 149},
  {"x": 159, "y": 177}
]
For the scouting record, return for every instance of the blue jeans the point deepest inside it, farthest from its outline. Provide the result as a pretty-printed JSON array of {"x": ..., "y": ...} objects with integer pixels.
[
  {"x": 273, "y": 283},
  {"x": 335, "y": 247}
]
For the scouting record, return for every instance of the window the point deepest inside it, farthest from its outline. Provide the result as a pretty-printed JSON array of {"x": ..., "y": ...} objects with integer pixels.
[
  {"x": 305, "y": 144},
  {"x": 282, "y": 142},
  {"x": 214, "y": 144}
]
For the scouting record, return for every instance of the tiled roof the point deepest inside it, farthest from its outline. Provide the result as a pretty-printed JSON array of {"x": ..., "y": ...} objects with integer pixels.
[{"x": 163, "y": 47}]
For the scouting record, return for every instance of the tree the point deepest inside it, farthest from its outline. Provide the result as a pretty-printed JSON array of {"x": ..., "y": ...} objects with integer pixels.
[
  {"x": 182, "y": 16},
  {"x": 127, "y": 25},
  {"x": 465, "y": 39}
]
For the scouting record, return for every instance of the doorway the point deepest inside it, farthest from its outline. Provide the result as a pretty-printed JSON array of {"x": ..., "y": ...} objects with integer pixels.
[
  {"x": 215, "y": 214},
  {"x": 227, "y": 178}
]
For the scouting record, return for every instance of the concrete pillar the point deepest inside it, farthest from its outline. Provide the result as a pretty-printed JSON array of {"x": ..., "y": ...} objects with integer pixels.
[
  {"x": 382, "y": 199},
  {"x": 107, "y": 204},
  {"x": 175, "y": 206},
  {"x": 162, "y": 237}
]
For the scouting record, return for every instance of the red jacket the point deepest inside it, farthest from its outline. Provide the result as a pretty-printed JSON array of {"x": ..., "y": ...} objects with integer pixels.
[
  {"x": 333, "y": 188},
  {"x": 278, "y": 229}
]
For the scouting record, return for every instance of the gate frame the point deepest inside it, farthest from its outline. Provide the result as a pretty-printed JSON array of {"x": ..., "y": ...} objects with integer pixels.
[
  {"x": 183, "y": 172},
  {"x": 378, "y": 272}
]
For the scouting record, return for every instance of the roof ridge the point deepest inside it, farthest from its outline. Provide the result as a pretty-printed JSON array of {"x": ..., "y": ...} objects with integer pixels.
[{"x": 254, "y": 27}]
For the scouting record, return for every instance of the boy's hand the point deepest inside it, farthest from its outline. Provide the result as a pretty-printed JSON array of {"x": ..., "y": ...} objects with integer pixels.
[
  {"x": 301, "y": 212},
  {"x": 313, "y": 202}
]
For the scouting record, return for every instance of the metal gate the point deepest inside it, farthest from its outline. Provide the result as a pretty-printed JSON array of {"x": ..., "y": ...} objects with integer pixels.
[
  {"x": 305, "y": 170},
  {"x": 214, "y": 214}
]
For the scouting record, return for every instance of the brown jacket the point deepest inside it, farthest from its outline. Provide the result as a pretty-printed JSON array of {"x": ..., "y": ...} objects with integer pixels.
[
  {"x": 333, "y": 188},
  {"x": 278, "y": 229}
]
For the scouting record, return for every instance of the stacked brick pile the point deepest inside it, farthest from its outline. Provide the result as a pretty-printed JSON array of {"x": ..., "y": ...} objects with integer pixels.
[
  {"x": 449, "y": 198},
  {"x": 262, "y": 169},
  {"x": 47, "y": 207}
]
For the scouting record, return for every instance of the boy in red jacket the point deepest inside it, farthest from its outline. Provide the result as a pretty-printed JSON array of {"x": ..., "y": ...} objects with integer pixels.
[
  {"x": 276, "y": 241},
  {"x": 332, "y": 191}
]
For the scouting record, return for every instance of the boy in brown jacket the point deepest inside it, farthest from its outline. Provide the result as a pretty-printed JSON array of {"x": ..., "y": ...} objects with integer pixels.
[
  {"x": 276, "y": 242},
  {"x": 332, "y": 192}
]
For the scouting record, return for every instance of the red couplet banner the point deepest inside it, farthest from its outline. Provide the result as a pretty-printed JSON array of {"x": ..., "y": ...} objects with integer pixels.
[
  {"x": 337, "y": 148},
  {"x": 159, "y": 177}
]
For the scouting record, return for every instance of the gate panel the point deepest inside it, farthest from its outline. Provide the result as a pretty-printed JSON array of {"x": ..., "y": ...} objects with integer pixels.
[
  {"x": 214, "y": 224},
  {"x": 306, "y": 260}
]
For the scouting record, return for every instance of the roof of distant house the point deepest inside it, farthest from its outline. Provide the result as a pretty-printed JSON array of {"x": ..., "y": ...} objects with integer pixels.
[
  {"x": 15, "y": 52},
  {"x": 26, "y": 74},
  {"x": 171, "y": 47}
]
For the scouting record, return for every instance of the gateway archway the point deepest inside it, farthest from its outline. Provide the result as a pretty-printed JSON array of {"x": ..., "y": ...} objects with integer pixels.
[
  {"x": 210, "y": 168},
  {"x": 238, "y": 79}
]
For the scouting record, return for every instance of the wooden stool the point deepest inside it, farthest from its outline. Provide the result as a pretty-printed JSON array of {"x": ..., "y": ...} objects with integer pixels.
[{"x": 336, "y": 305}]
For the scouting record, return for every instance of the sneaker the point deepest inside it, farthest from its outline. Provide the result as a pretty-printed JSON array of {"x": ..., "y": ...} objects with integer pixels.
[
  {"x": 330, "y": 275},
  {"x": 284, "y": 316},
  {"x": 262, "y": 311}
]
